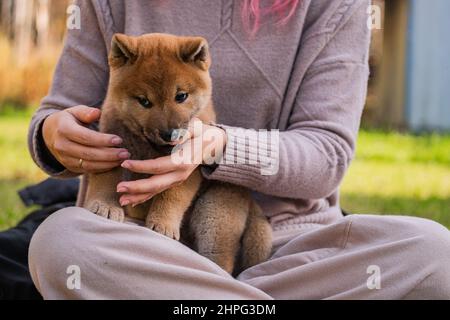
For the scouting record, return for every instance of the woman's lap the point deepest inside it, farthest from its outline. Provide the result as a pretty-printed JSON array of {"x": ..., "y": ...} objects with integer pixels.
[
  {"x": 121, "y": 261},
  {"x": 126, "y": 261}
]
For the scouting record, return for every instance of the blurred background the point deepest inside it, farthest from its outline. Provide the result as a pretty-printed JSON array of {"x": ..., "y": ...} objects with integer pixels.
[{"x": 403, "y": 156}]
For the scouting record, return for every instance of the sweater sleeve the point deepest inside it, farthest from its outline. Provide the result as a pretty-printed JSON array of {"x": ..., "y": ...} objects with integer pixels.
[
  {"x": 80, "y": 78},
  {"x": 313, "y": 154}
]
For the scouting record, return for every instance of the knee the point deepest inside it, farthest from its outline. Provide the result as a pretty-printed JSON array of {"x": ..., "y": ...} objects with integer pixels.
[
  {"x": 56, "y": 229},
  {"x": 53, "y": 245},
  {"x": 432, "y": 254},
  {"x": 434, "y": 239}
]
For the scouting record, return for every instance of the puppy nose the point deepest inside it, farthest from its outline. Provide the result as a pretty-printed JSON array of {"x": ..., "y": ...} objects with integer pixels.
[{"x": 167, "y": 135}]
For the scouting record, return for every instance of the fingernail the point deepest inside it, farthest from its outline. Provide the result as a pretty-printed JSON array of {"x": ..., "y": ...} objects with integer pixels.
[
  {"x": 117, "y": 140},
  {"x": 122, "y": 189},
  {"x": 92, "y": 113},
  {"x": 126, "y": 165},
  {"x": 124, "y": 155},
  {"x": 125, "y": 203}
]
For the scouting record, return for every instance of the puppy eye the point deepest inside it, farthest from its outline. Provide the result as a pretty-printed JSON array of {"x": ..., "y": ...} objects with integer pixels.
[
  {"x": 181, "y": 97},
  {"x": 143, "y": 101}
]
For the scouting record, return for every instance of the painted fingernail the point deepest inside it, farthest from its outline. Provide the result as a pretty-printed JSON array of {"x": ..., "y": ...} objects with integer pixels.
[
  {"x": 124, "y": 155},
  {"x": 93, "y": 113},
  {"x": 117, "y": 140},
  {"x": 122, "y": 189},
  {"x": 126, "y": 165}
]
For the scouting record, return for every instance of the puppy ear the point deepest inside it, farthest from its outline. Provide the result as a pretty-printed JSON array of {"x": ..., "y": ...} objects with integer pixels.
[
  {"x": 195, "y": 50},
  {"x": 123, "y": 50}
]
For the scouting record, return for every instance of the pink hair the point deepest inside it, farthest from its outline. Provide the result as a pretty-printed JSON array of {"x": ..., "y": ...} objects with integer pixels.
[{"x": 253, "y": 14}]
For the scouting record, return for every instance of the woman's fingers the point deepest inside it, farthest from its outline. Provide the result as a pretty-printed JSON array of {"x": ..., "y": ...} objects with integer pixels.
[
  {"x": 154, "y": 185},
  {"x": 88, "y": 137},
  {"x": 95, "y": 154},
  {"x": 97, "y": 167},
  {"x": 85, "y": 114},
  {"x": 69, "y": 141},
  {"x": 154, "y": 166},
  {"x": 188, "y": 153},
  {"x": 75, "y": 165},
  {"x": 134, "y": 199},
  {"x": 195, "y": 127}
]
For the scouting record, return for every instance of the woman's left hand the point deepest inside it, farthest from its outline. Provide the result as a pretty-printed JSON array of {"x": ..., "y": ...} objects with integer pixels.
[{"x": 202, "y": 144}]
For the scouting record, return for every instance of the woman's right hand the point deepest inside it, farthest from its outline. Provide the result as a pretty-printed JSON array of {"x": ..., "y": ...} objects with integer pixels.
[{"x": 78, "y": 148}]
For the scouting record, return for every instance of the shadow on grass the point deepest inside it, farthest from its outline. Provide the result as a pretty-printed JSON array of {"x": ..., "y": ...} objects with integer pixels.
[{"x": 433, "y": 208}]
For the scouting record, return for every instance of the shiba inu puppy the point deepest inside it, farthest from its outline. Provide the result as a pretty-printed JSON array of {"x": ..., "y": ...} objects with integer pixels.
[{"x": 158, "y": 83}]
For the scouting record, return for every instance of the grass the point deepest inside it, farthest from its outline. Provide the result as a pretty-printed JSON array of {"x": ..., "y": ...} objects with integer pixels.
[
  {"x": 18, "y": 170},
  {"x": 392, "y": 174},
  {"x": 400, "y": 174}
]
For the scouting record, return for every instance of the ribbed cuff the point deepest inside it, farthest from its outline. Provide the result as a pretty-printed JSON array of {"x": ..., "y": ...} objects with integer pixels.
[{"x": 249, "y": 157}]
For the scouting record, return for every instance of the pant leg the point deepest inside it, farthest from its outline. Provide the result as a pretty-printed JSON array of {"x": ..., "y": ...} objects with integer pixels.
[
  {"x": 122, "y": 261},
  {"x": 338, "y": 261}
]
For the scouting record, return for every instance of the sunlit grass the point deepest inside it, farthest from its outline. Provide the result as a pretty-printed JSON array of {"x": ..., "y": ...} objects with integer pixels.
[
  {"x": 384, "y": 179},
  {"x": 17, "y": 167},
  {"x": 396, "y": 147},
  {"x": 15, "y": 161},
  {"x": 11, "y": 208},
  {"x": 419, "y": 189},
  {"x": 400, "y": 174},
  {"x": 392, "y": 173}
]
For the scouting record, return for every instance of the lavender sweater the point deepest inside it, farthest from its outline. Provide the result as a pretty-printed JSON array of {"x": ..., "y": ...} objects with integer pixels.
[{"x": 308, "y": 79}]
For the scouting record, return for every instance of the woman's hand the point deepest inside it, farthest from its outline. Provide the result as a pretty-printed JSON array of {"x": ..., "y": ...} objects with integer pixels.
[
  {"x": 78, "y": 148},
  {"x": 202, "y": 144}
]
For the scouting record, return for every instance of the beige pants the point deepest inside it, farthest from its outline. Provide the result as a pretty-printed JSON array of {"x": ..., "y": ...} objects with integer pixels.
[{"x": 77, "y": 255}]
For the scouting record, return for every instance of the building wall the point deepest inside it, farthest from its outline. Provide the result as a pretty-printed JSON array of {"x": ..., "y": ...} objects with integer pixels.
[{"x": 428, "y": 66}]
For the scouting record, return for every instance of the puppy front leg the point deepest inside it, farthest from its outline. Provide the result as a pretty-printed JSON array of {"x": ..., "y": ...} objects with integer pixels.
[
  {"x": 168, "y": 208},
  {"x": 102, "y": 198}
]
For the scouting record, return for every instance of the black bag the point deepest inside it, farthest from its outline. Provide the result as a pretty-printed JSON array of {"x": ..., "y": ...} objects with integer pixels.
[{"x": 15, "y": 279}]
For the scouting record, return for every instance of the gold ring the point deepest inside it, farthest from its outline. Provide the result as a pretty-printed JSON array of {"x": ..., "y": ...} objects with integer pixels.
[{"x": 80, "y": 163}]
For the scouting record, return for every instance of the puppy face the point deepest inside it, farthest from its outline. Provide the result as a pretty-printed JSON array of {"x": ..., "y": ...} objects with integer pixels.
[{"x": 159, "y": 82}]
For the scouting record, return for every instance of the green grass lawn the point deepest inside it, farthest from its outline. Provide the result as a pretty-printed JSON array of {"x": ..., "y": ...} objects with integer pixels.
[
  {"x": 400, "y": 174},
  {"x": 17, "y": 168},
  {"x": 392, "y": 174}
]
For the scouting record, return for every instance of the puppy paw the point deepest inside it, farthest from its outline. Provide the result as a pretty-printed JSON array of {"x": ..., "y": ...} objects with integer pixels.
[
  {"x": 107, "y": 210},
  {"x": 165, "y": 228}
]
